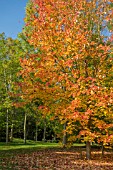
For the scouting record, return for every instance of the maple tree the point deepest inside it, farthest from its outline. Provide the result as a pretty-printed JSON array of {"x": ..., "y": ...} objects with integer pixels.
[{"x": 72, "y": 65}]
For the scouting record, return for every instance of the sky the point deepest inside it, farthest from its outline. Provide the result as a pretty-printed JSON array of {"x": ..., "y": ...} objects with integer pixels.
[{"x": 12, "y": 13}]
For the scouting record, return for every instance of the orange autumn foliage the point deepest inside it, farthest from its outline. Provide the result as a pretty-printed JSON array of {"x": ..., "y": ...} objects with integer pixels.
[{"x": 70, "y": 73}]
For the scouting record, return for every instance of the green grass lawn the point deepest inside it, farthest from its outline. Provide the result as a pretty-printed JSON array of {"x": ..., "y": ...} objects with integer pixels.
[
  {"x": 19, "y": 144},
  {"x": 18, "y": 147}
]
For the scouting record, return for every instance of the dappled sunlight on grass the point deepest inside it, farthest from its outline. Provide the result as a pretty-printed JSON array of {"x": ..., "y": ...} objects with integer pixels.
[{"x": 19, "y": 144}]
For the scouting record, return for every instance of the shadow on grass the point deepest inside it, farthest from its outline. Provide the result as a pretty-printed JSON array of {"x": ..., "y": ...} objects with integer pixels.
[{"x": 18, "y": 147}]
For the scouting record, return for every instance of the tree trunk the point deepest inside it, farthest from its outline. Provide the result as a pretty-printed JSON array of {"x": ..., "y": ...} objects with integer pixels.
[
  {"x": 7, "y": 110},
  {"x": 25, "y": 128},
  {"x": 44, "y": 134},
  {"x": 88, "y": 150},
  {"x": 36, "y": 133},
  {"x": 11, "y": 136},
  {"x": 102, "y": 149},
  {"x": 64, "y": 135},
  {"x": 7, "y": 126}
]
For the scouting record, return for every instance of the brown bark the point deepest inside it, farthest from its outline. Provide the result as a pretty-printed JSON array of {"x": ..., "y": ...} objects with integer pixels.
[
  {"x": 36, "y": 133},
  {"x": 44, "y": 134},
  {"x": 102, "y": 149},
  {"x": 88, "y": 150},
  {"x": 65, "y": 135},
  {"x": 25, "y": 128}
]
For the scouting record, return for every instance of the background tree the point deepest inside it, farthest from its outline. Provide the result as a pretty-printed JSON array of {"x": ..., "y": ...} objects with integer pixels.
[{"x": 9, "y": 62}]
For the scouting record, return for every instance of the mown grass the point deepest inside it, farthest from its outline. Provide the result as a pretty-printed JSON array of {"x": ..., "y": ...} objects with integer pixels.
[
  {"x": 19, "y": 144},
  {"x": 18, "y": 147}
]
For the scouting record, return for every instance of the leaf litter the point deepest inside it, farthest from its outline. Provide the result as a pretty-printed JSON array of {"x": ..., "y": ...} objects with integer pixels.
[{"x": 58, "y": 159}]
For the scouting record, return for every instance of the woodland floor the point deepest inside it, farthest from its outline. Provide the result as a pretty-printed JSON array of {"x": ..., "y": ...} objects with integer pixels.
[{"x": 56, "y": 159}]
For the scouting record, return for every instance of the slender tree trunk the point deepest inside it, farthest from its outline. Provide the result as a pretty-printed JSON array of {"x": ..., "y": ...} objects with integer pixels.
[
  {"x": 12, "y": 125},
  {"x": 102, "y": 149},
  {"x": 36, "y": 133},
  {"x": 25, "y": 128},
  {"x": 11, "y": 136},
  {"x": 7, "y": 110},
  {"x": 7, "y": 126},
  {"x": 88, "y": 150},
  {"x": 44, "y": 134},
  {"x": 65, "y": 135}
]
